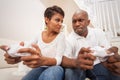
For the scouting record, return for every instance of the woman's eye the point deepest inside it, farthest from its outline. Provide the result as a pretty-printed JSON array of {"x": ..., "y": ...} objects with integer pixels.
[{"x": 57, "y": 20}]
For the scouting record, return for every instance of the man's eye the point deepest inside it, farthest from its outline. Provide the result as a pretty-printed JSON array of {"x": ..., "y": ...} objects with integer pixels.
[{"x": 81, "y": 20}]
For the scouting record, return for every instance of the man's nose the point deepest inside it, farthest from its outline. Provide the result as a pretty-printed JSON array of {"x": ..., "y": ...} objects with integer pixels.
[{"x": 78, "y": 23}]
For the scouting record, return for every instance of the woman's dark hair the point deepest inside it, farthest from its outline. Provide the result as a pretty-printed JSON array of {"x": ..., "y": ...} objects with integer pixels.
[{"x": 50, "y": 11}]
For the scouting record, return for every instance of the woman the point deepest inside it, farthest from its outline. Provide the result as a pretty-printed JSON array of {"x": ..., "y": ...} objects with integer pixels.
[{"x": 46, "y": 54}]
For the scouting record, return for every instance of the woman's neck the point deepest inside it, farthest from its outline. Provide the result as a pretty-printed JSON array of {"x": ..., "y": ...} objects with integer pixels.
[
  {"x": 48, "y": 36},
  {"x": 50, "y": 33}
]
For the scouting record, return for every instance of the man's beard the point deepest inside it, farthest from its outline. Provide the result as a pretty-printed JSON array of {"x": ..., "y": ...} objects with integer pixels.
[{"x": 80, "y": 31}]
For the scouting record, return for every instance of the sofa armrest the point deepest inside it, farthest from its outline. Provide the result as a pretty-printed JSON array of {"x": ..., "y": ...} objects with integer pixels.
[{"x": 3, "y": 63}]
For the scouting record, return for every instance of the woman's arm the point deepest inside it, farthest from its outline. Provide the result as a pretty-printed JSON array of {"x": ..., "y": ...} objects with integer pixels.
[{"x": 36, "y": 59}]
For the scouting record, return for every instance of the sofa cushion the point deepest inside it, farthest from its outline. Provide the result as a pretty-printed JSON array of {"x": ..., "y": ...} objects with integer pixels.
[
  {"x": 9, "y": 74},
  {"x": 3, "y": 63}
]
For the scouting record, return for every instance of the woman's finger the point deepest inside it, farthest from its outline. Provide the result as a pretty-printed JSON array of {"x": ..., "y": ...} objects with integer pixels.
[
  {"x": 37, "y": 48},
  {"x": 22, "y": 43},
  {"x": 27, "y": 50},
  {"x": 6, "y": 55},
  {"x": 29, "y": 58},
  {"x": 4, "y": 47}
]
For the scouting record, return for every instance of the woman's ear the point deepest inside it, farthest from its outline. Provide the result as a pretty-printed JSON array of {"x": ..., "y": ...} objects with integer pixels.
[{"x": 46, "y": 20}]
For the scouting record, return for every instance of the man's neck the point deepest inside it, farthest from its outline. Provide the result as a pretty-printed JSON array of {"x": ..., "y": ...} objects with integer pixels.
[{"x": 85, "y": 34}]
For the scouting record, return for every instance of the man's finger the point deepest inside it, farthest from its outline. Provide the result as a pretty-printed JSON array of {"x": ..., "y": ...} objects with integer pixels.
[
  {"x": 86, "y": 67},
  {"x": 83, "y": 50},
  {"x": 117, "y": 57},
  {"x": 87, "y": 56}
]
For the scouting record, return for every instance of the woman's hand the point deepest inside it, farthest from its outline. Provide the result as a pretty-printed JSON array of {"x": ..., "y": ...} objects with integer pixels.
[
  {"x": 8, "y": 58},
  {"x": 35, "y": 59},
  {"x": 11, "y": 60},
  {"x": 4, "y": 47}
]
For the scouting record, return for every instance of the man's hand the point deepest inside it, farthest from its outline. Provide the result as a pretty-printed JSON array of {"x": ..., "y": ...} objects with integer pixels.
[
  {"x": 85, "y": 59},
  {"x": 113, "y": 67},
  {"x": 113, "y": 62}
]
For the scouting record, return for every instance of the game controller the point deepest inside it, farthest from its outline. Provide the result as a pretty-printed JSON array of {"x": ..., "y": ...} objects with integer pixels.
[
  {"x": 13, "y": 51},
  {"x": 100, "y": 52}
]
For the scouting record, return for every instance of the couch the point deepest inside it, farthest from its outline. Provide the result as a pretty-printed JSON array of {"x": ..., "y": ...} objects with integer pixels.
[
  {"x": 8, "y": 71},
  {"x": 17, "y": 71}
]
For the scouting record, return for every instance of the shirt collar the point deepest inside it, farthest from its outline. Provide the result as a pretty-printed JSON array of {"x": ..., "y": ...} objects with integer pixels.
[{"x": 76, "y": 36}]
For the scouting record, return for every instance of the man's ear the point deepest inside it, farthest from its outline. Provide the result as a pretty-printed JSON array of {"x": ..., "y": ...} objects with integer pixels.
[{"x": 88, "y": 22}]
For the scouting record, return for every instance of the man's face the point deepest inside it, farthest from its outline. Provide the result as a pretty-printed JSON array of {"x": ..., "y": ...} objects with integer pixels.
[{"x": 80, "y": 22}]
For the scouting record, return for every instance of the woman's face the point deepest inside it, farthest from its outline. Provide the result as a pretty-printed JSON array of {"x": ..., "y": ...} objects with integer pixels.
[{"x": 54, "y": 24}]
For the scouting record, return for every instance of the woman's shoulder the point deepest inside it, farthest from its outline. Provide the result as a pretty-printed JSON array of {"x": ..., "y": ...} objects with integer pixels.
[{"x": 61, "y": 34}]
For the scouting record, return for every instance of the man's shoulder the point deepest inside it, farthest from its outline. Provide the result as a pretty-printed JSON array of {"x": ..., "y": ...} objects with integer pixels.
[
  {"x": 71, "y": 38},
  {"x": 97, "y": 31},
  {"x": 71, "y": 35}
]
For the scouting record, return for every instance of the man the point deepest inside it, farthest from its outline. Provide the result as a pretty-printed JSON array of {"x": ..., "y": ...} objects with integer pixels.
[{"x": 76, "y": 60}]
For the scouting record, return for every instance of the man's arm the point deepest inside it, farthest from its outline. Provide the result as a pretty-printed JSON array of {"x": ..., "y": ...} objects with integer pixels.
[
  {"x": 68, "y": 62},
  {"x": 83, "y": 61}
]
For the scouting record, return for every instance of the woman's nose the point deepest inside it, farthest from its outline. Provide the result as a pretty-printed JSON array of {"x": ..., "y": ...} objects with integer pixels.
[{"x": 60, "y": 23}]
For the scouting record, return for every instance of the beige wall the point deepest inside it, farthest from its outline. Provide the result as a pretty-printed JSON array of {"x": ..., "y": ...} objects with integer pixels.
[{"x": 20, "y": 19}]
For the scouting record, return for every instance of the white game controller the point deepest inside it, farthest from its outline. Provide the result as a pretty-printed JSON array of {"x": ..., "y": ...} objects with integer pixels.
[
  {"x": 100, "y": 52},
  {"x": 14, "y": 48}
]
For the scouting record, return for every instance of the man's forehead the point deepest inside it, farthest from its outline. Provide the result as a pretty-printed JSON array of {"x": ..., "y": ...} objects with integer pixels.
[
  {"x": 80, "y": 14},
  {"x": 77, "y": 16}
]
